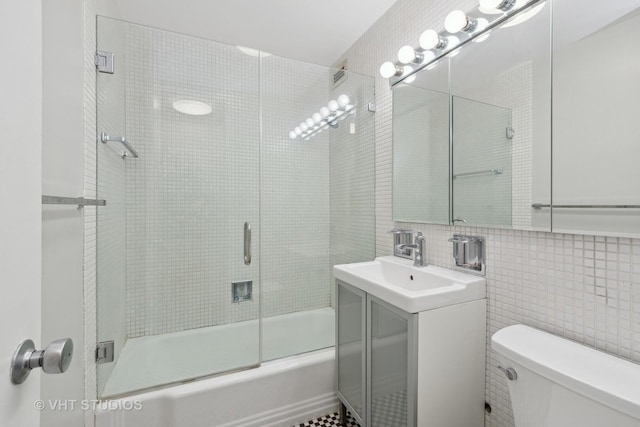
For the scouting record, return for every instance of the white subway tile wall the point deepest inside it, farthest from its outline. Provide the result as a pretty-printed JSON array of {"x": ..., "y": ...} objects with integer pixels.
[{"x": 581, "y": 287}]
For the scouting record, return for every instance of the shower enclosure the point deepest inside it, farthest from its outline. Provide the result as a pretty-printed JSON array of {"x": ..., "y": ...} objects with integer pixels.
[{"x": 221, "y": 223}]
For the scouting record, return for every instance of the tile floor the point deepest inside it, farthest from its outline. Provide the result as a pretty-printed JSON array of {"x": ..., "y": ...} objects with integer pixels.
[{"x": 331, "y": 420}]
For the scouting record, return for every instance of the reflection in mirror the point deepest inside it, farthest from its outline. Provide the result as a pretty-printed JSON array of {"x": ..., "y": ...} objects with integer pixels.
[
  {"x": 482, "y": 163},
  {"x": 501, "y": 89},
  {"x": 596, "y": 143},
  {"x": 421, "y": 148}
]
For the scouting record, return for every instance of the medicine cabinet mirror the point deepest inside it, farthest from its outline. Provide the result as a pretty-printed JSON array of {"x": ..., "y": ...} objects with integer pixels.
[{"x": 477, "y": 128}]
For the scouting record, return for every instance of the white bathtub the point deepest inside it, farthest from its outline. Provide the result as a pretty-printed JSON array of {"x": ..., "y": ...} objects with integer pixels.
[{"x": 282, "y": 392}]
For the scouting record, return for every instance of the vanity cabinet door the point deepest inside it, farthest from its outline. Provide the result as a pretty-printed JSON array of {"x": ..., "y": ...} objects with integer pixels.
[
  {"x": 350, "y": 349},
  {"x": 391, "y": 365}
]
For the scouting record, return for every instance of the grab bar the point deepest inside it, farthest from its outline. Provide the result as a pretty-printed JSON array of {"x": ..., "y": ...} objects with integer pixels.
[
  {"x": 540, "y": 206},
  {"x": 122, "y": 140},
  {"x": 494, "y": 171},
  {"x": 80, "y": 201},
  {"x": 247, "y": 243}
]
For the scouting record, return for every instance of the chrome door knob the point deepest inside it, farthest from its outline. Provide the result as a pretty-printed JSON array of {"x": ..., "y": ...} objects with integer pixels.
[{"x": 55, "y": 359}]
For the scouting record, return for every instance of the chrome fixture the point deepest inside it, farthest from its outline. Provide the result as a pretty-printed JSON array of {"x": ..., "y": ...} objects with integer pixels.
[
  {"x": 122, "y": 140},
  {"x": 104, "y": 62},
  {"x": 462, "y": 220},
  {"x": 54, "y": 359},
  {"x": 494, "y": 171},
  {"x": 459, "y": 29},
  {"x": 80, "y": 201},
  {"x": 417, "y": 248},
  {"x": 468, "y": 253},
  {"x": 400, "y": 237},
  {"x": 105, "y": 352},
  {"x": 247, "y": 243},
  {"x": 336, "y": 109},
  {"x": 541, "y": 205},
  {"x": 510, "y": 373}
]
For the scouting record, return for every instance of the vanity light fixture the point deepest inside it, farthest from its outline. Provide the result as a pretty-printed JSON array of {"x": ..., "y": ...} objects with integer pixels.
[
  {"x": 408, "y": 55},
  {"x": 432, "y": 40},
  {"x": 492, "y": 6},
  {"x": 457, "y": 21},
  {"x": 389, "y": 69},
  {"x": 459, "y": 28},
  {"x": 336, "y": 109}
]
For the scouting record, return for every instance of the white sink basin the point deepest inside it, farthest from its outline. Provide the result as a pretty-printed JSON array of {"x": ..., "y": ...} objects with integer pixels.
[{"x": 413, "y": 289}]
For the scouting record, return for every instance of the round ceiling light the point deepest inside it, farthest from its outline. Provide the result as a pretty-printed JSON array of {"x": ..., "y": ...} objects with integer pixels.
[{"x": 192, "y": 107}]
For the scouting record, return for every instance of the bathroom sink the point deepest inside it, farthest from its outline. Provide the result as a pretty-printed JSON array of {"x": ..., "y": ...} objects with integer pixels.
[{"x": 412, "y": 289}]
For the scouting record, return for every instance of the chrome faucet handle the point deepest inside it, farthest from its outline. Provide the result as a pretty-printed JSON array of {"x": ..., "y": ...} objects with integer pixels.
[
  {"x": 400, "y": 231},
  {"x": 462, "y": 220}
]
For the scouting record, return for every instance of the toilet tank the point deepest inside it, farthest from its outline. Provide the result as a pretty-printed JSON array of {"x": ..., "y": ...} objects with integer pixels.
[{"x": 563, "y": 384}]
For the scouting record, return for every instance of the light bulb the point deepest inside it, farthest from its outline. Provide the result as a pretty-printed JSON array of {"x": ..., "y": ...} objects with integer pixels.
[
  {"x": 310, "y": 122},
  {"x": 303, "y": 126},
  {"x": 524, "y": 16},
  {"x": 431, "y": 40},
  {"x": 482, "y": 38},
  {"x": 297, "y": 130},
  {"x": 492, "y": 5},
  {"x": 324, "y": 112},
  {"x": 389, "y": 69},
  {"x": 333, "y": 105},
  {"x": 428, "y": 57},
  {"x": 407, "y": 70},
  {"x": 293, "y": 135},
  {"x": 407, "y": 54},
  {"x": 343, "y": 101},
  {"x": 457, "y": 21},
  {"x": 317, "y": 118},
  {"x": 453, "y": 41}
]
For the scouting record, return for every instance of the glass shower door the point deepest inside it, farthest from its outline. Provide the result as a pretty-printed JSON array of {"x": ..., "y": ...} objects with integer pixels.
[{"x": 177, "y": 288}]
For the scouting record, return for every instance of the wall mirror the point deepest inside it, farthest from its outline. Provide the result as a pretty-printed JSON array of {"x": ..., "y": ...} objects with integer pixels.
[
  {"x": 596, "y": 106},
  {"x": 421, "y": 170},
  {"x": 499, "y": 91}
]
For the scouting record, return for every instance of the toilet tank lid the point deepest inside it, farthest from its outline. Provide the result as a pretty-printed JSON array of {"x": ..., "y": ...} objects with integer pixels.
[{"x": 607, "y": 379}]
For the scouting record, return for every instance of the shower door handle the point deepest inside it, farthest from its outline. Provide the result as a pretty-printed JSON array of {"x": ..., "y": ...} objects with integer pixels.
[{"x": 247, "y": 243}]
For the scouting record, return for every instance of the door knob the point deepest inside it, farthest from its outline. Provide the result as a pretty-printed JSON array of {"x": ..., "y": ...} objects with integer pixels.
[{"x": 54, "y": 359}]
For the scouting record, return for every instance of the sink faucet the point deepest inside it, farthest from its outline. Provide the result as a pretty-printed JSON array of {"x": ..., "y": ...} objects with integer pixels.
[{"x": 418, "y": 250}]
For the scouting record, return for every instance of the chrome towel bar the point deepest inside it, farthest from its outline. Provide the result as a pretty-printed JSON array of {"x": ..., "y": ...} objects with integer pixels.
[
  {"x": 540, "y": 206},
  {"x": 80, "y": 201},
  {"x": 494, "y": 171},
  {"x": 122, "y": 140}
]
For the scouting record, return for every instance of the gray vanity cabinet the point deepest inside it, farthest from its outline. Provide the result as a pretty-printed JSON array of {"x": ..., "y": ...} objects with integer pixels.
[{"x": 399, "y": 369}]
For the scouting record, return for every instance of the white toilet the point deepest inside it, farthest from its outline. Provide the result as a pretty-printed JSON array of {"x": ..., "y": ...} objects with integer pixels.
[{"x": 554, "y": 382}]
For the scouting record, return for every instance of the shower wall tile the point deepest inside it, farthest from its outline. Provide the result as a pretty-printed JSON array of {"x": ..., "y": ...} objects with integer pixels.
[{"x": 581, "y": 287}]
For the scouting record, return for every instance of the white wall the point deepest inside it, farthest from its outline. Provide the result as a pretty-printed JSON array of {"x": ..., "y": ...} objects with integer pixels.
[
  {"x": 62, "y": 226},
  {"x": 20, "y": 191},
  {"x": 582, "y": 287}
]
